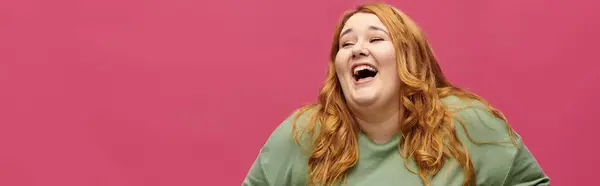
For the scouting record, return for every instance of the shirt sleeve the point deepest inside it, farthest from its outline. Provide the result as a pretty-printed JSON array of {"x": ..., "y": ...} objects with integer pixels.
[
  {"x": 525, "y": 170},
  {"x": 275, "y": 162},
  {"x": 507, "y": 164},
  {"x": 256, "y": 176}
]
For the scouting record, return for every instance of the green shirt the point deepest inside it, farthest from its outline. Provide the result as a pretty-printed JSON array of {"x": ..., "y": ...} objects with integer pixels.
[{"x": 282, "y": 162}]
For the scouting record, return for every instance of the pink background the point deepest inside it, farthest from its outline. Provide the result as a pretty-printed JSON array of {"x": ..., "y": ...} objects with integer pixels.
[{"x": 185, "y": 92}]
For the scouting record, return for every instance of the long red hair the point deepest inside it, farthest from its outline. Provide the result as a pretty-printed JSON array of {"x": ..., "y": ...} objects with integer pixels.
[{"x": 427, "y": 126}]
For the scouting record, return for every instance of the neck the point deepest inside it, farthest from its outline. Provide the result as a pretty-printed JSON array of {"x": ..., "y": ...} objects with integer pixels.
[{"x": 380, "y": 126}]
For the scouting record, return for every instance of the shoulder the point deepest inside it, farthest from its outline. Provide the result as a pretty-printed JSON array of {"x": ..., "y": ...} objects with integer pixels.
[
  {"x": 297, "y": 124},
  {"x": 291, "y": 141},
  {"x": 486, "y": 137},
  {"x": 496, "y": 159},
  {"x": 281, "y": 160},
  {"x": 473, "y": 118}
]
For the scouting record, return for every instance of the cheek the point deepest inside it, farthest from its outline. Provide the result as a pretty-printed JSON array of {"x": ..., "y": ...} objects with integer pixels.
[
  {"x": 386, "y": 56},
  {"x": 341, "y": 62}
]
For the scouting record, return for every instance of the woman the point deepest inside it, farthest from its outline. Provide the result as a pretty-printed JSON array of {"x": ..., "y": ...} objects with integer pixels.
[{"x": 386, "y": 115}]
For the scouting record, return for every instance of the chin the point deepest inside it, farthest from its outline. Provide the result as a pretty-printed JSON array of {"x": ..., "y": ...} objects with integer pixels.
[{"x": 364, "y": 100}]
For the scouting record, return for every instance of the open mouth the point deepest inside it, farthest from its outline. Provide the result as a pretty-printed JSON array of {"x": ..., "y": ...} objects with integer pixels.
[{"x": 363, "y": 72}]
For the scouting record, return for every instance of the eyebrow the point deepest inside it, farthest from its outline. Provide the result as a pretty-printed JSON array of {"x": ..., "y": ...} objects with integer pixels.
[{"x": 370, "y": 28}]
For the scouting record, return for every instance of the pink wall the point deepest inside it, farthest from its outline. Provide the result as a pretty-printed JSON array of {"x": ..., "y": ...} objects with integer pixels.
[{"x": 184, "y": 92}]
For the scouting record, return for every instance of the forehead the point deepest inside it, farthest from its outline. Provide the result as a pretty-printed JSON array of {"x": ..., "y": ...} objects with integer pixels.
[{"x": 363, "y": 20}]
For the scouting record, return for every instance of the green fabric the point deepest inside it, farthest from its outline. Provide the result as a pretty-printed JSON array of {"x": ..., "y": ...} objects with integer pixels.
[{"x": 282, "y": 162}]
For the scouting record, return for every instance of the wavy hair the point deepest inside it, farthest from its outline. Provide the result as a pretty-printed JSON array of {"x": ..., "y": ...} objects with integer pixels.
[{"x": 427, "y": 125}]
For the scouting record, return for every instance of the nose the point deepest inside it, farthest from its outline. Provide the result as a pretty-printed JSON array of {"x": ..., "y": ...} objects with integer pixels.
[{"x": 359, "y": 51}]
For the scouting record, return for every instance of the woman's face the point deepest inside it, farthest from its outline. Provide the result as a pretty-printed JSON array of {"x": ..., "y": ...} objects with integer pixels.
[{"x": 366, "y": 63}]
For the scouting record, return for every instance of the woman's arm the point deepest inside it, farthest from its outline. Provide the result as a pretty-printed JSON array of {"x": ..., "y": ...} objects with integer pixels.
[{"x": 525, "y": 170}]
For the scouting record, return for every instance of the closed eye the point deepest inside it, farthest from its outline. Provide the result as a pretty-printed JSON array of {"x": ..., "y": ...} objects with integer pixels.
[
  {"x": 347, "y": 44},
  {"x": 375, "y": 39}
]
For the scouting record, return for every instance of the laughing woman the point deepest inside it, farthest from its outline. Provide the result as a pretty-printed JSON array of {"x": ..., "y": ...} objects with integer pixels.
[{"x": 386, "y": 115}]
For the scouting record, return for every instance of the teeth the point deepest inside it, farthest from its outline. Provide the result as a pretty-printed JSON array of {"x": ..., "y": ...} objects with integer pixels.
[{"x": 363, "y": 67}]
